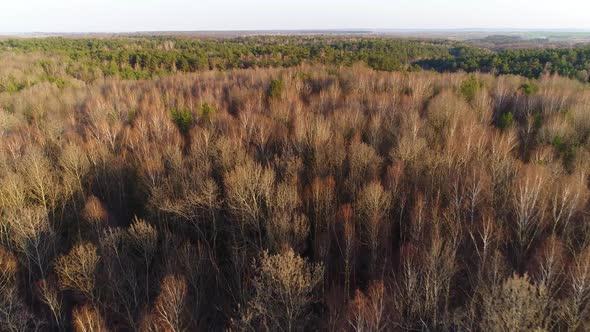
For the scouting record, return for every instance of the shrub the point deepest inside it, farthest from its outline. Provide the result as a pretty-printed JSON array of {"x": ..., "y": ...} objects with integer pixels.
[
  {"x": 529, "y": 88},
  {"x": 566, "y": 150},
  {"x": 470, "y": 87},
  {"x": 10, "y": 84},
  {"x": 183, "y": 118},
  {"x": 506, "y": 120},
  {"x": 207, "y": 112},
  {"x": 275, "y": 89}
]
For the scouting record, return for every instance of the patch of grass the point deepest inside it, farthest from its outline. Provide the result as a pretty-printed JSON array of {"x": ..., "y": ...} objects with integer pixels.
[{"x": 11, "y": 85}]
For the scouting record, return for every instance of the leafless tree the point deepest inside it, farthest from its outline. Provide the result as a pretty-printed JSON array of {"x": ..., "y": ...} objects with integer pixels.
[
  {"x": 285, "y": 287},
  {"x": 42, "y": 179},
  {"x": 529, "y": 209},
  {"x": 322, "y": 203},
  {"x": 363, "y": 165},
  {"x": 48, "y": 294},
  {"x": 87, "y": 319},
  {"x": 144, "y": 239},
  {"x": 348, "y": 245},
  {"x": 577, "y": 304},
  {"x": 170, "y": 304},
  {"x": 368, "y": 312},
  {"x": 565, "y": 200},
  {"x": 76, "y": 271},
  {"x": 249, "y": 191},
  {"x": 372, "y": 204},
  {"x": 286, "y": 225},
  {"x": 14, "y": 314},
  {"x": 517, "y": 306},
  {"x": 33, "y": 238},
  {"x": 122, "y": 289}
]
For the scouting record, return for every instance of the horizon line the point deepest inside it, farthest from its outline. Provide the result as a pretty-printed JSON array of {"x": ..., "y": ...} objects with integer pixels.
[{"x": 312, "y": 30}]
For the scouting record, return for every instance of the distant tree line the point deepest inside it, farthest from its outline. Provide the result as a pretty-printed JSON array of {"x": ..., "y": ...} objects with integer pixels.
[
  {"x": 531, "y": 63},
  {"x": 147, "y": 57}
]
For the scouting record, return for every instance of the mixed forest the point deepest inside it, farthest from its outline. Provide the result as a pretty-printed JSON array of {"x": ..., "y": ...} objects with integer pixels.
[
  {"x": 148, "y": 57},
  {"x": 292, "y": 184}
]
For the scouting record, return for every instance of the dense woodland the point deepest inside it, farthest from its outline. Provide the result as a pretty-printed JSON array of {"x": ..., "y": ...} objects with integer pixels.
[
  {"x": 137, "y": 58},
  {"x": 532, "y": 63},
  {"x": 147, "y": 57},
  {"x": 313, "y": 197}
]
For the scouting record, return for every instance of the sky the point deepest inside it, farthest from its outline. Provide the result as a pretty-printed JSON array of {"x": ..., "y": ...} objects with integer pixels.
[{"x": 187, "y": 15}]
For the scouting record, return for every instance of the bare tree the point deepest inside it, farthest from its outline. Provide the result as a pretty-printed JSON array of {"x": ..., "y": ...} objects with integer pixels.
[
  {"x": 286, "y": 225},
  {"x": 284, "y": 289},
  {"x": 48, "y": 294},
  {"x": 517, "y": 306},
  {"x": 14, "y": 314},
  {"x": 439, "y": 269},
  {"x": 528, "y": 205},
  {"x": 249, "y": 191},
  {"x": 199, "y": 206},
  {"x": 76, "y": 270},
  {"x": 363, "y": 165},
  {"x": 105, "y": 124},
  {"x": 408, "y": 288},
  {"x": 121, "y": 291},
  {"x": 170, "y": 304},
  {"x": 33, "y": 238},
  {"x": 41, "y": 178},
  {"x": 322, "y": 203},
  {"x": 549, "y": 266},
  {"x": 372, "y": 205},
  {"x": 144, "y": 240},
  {"x": 13, "y": 196},
  {"x": 576, "y": 308},
  {"x": 566, "y": 198},
  {"x": 87, "y": 319},
  {"x": 368, "y": 312},
  {"x": 476, "y": 189},
  {"x": 348, "y": 245},
  {"x": 76, "y": 166}
]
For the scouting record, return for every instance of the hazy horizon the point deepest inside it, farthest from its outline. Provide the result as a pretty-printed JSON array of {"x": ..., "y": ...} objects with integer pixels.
[
  {"x": 111, "y": 16},
  {"x": 312, "y": 30}
]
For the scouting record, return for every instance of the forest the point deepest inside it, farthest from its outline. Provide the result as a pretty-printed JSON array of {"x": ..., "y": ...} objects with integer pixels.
[
  {"x": 291, "y": 184},
  {"x": 148, "y": 57}
]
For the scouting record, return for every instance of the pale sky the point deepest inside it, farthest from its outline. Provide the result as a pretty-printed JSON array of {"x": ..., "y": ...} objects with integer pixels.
[{"x": 152, "y": 15}]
